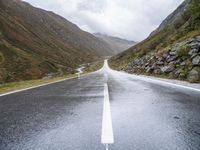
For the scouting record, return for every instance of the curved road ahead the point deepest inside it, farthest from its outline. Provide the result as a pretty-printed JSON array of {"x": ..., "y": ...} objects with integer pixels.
[{"x": 126, "y": 111}]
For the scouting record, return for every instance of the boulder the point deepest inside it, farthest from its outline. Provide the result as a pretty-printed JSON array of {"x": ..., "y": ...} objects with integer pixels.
[
  {"x": 172, "y": 53},
  {"x": 142, "y": 67},
  {"x": 146, "y": 64},
  {"x": 160, "y": 63},
  {"x": 194, "y": 75},
  {"x": 193, "y": 51},
  {"x": 194, "y": 45},
  {"x": 177, "y": 61},
  {"x": 138, "y": 61},
  {"x": 157, "y": 71},
  {"x": 177, "y": 73},
  {"x": 160, "y": 59},
  {"x": 168, "y": 69},
  {"x": 198, "y": 38},
  {"x": 129, "y": 67},
  {"x": 154, "y": 66},
  {"x": 196, "y": 60},
  {"x": 171, "y": 58},
  {"x": 173, "y": 49},
  {"x": 183, "y": 63},
  {"x": 165, "y": 56},
  {"x": 149, "y": 70}
]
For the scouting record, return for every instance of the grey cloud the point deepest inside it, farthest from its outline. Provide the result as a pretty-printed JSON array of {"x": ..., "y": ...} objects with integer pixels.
[
  {"x": 94, "y": 6},
  {"x": 130, "y": 19}
]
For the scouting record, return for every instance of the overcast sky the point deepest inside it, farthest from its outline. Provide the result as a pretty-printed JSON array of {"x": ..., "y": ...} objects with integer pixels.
[{"x": 129, "y": 19}]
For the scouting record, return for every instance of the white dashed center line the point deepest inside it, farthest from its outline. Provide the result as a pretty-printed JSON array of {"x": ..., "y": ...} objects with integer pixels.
[{"x": 107, "y": 130}]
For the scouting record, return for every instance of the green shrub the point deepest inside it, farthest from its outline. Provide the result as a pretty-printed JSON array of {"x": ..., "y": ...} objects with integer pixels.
[{"x": 183, "y": 51}]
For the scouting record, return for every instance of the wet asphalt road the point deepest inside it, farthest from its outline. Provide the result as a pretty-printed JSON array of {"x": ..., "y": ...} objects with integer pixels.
[{"x": 68, "y": 115}]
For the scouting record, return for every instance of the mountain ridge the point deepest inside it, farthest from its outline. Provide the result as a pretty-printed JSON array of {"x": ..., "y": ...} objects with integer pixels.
[
  {"x": 117, "y": 44},
  {"x": 36, "y": 42}
]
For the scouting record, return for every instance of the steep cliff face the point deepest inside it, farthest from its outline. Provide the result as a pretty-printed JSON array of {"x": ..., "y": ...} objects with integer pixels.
[
  {"x": 35, "y": 42},
  {"x": 172, "y": 51}
]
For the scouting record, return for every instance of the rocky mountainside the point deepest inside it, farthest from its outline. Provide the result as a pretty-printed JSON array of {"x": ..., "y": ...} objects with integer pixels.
[
  {"x": 35, "y": 43},
  {"x": 172, "y": 51},
  {"x": 116, "y": 44},
  {"x": 181, "y": 61},
  {"x": 172, "y": 17}
]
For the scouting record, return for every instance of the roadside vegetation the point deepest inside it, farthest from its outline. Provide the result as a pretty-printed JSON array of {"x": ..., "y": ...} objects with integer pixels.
[
  {"x": 174, "y": 49},
  {"x": 94, "y": 66},
  {"x": 12, "y": 86}
]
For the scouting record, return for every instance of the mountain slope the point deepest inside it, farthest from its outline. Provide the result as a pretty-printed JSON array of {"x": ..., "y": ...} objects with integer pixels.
[
  {"x": 171, "y": 51},
  {"x": 172, "y": 17},
  {"x": 117, "y": 44},
  {"x": 35, "y": 42}
]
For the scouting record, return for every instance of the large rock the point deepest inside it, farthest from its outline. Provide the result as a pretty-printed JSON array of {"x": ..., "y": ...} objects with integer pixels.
[
  {"x": 137, "y": 62},
  {"x": 177, "y": 61},
  {"x": 183, "y": 63},
  {"x": 196, "y": 60},
  {"x": 157, "y": 71},
  {"x": 149, "y": 70},
  {"x": 160, "y": 63},
  {"x": 193, "y": 51},
  {"x": 171, "y": 58},
  {"x": 165, "y": 55},
  {"x": 194, "y": 45},
  {"x": 173, "y": 53},
  {"x": 168, "y": 69},
  {"x": 129, "y": 67},
  {"x": 198, "y": 38},
  {"x": 177, "y": 73},
  {"x": 194, "y": 75},
  {"x": 147, "y": 64}
]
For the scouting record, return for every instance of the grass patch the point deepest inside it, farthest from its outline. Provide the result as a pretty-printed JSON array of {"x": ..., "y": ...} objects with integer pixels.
[
  {"x": 12, "y": 86},
  {"x": 183, "y": 51},
  {"x": 94, "y": 66}
]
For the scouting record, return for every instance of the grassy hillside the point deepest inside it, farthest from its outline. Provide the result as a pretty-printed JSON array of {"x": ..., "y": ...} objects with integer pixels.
[
  {"x": 35, "y": 43},
  {"x": 175, "y": 37}
]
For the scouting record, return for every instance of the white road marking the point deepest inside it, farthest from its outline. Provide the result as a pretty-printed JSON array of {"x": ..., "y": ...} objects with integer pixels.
[
  {"x": 173, "y": 84},
  {"x": 33, "y": 87},
  {"x": 107, "y": 130},
  {"x": 148, "y": 79},
  {"x": 157, "y": 81}
]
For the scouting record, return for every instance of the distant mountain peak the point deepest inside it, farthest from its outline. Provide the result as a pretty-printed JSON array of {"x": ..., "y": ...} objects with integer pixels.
[
  {"x": 106, "y": 35},
  {"x": 117, "y": 44}
]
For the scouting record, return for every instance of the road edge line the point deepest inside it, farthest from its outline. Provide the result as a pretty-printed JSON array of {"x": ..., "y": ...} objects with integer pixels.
[{"x": 37, "y": 86}]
